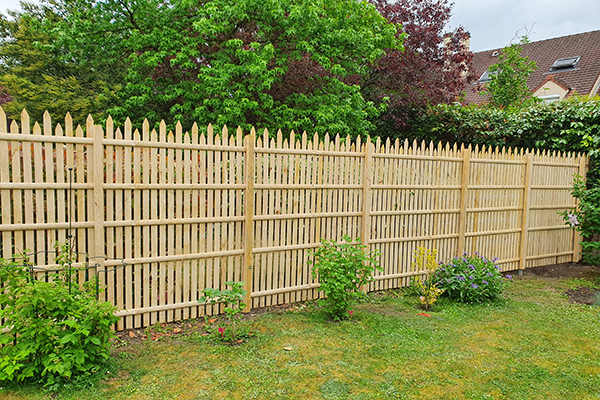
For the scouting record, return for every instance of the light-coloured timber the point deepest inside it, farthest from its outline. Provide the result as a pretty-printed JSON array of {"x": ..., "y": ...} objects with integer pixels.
[{"x": 191, "y": 210}]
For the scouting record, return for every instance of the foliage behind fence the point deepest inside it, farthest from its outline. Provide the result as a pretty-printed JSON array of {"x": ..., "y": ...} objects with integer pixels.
[{"x": 187, "y": 211}]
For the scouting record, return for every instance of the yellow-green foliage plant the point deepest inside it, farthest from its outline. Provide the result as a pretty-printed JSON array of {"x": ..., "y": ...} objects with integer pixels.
[{"x": 425, "y": 260}]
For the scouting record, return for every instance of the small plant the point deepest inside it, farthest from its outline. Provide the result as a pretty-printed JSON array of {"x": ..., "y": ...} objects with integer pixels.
[
  {"x": 51, "y": 333},
  {"x": 586, "y": 218},
  {"x": 471, "y": 279},
  {"x": 342, "y": 269},
  {"x": 233, "y": 299},
  {"x": 427, "y": 290}
]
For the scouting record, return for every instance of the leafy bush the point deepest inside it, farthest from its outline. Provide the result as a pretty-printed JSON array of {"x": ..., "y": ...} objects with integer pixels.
[
  {"x": 342, "y": 269},
  {"x": 233, "y": 299},
  {"x": 53, "y": 333},
  {"x": 586, "y": 218},
  {"x": 569, "y": 125},
  {"x": 470, "y": 279},
  {"x": 427, "y": 290}
]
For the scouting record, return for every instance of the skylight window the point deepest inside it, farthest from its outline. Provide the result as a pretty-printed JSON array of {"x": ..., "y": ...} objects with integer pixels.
[
  {"x": 487, "y": 76},
  {"x": 565, "y": 64}
]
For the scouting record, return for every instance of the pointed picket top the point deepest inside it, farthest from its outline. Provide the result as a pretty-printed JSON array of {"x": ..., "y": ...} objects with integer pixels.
[
  {"x": 358, "y": 143},
  {"x": 89, "y": 123},
  {"x": 266, "y": 135},
  {"x": 272, "y": 143},
  {"x": 25, "y": 128},
  {"x": 224, "y": 131},
  {"x": 315, "y": 140},
  {"x": 162, "y": 131},
  {"x": 37, "y": 130},
  {"x": 3, "y": 121},
  {"x": 118, "y": 133},
  {"x": 279, "y": 138},
  {"x": 109, "y": 132},
  {"x": 337, "y": 140},
  {"x": 14, "y": 127},
  {"x": 326, "y": 141},
  {"x": 259, "y": 142},
  {"x": 178, "y": 133},
  {"x": 47, "y": 123},
  {"x": 187, "y": 138},
  {"x": 304, "y": 140}
]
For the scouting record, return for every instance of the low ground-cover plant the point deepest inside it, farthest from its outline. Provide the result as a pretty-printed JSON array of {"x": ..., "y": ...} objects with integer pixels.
[
  {"x": 586, "y": 218},
  {"x": 233, "y": 300},
  {"x": 471, "y": 279},
  {"x": 52, "y": 332},
  {"x": 427, "y": 289},
  {"x": 342, "y": 269}
]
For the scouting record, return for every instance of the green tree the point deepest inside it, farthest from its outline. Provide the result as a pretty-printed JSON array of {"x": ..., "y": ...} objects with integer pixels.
[
  {"x": 38, "y": 77},
  {"x": 266, "y": 63},
  {"x": 508, "y": 78}
]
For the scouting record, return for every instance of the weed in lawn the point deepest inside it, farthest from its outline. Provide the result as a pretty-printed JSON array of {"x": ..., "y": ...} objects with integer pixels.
[{"x": 333, "y": 389}]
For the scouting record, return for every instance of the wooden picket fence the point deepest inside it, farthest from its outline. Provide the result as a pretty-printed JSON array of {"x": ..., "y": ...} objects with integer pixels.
[{"x": 187, "y": 211}]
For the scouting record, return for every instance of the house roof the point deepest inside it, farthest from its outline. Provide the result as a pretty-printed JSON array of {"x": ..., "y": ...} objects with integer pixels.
[{"x": 580, "y": 80}]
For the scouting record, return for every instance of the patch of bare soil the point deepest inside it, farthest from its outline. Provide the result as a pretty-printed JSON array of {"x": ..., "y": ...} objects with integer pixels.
[
  {"x": 566, "y": 270},
  {"x": 186, "y": 328},
  {"x": 583, "y": 295}
]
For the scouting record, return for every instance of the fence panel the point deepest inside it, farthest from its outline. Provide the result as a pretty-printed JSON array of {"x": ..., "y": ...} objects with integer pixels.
[{"x": 189, "y": 210}]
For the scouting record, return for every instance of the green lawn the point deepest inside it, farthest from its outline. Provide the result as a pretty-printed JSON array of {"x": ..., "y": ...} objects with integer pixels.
[{"x": 533, "y": 345}]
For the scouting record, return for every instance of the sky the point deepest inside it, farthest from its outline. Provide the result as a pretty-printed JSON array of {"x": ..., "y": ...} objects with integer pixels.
[{"x": 493, "y": 24}]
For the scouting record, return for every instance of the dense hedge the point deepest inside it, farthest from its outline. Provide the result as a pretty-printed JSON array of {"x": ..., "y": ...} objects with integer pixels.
[{"x": 569, "y": 125}]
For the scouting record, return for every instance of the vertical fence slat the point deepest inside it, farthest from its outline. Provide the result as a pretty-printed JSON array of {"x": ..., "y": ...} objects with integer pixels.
[
  {"x": 367, "y": 196},
  {"x": 576, "y": 234},
  {"x": 462, "y": 219},
  {"x": 525, "y": 212},
  {"x": 97, "y": 167},
  {"x": 247, "y": 270},
  {"x": 5, "y": 194}
]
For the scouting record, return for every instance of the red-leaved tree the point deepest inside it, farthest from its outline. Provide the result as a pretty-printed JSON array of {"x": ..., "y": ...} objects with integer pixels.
[
  {"x": 434, "y": 68},
  {"x": 5, "y": 97}
]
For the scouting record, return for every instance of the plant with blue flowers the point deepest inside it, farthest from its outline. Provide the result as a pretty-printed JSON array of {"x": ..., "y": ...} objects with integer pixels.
[{"x": 471, "y": 279}]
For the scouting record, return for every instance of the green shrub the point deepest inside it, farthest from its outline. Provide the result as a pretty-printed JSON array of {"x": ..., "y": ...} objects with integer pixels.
[
  {"x": 586, "y": 218},
  {"x": 53, "y": 333},
  {"x": 470, "y": 279},
  {"x": 342, "y": 269},
  {"x": 233, "y": 299}
]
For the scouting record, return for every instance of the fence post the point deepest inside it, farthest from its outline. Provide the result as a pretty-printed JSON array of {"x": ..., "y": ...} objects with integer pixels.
[
  {"x": 576, "y": 234},
  {"x": 247, "y": 271},
  {"x": 98, "y": 171},
  {"x": 525, "y": 219},
  {"x": 464, "y": 190},
  {"x": 367, "y": 181}
]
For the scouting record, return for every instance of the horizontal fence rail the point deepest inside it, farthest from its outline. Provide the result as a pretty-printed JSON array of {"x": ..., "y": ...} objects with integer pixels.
[{"x": 187, "y": 211}]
